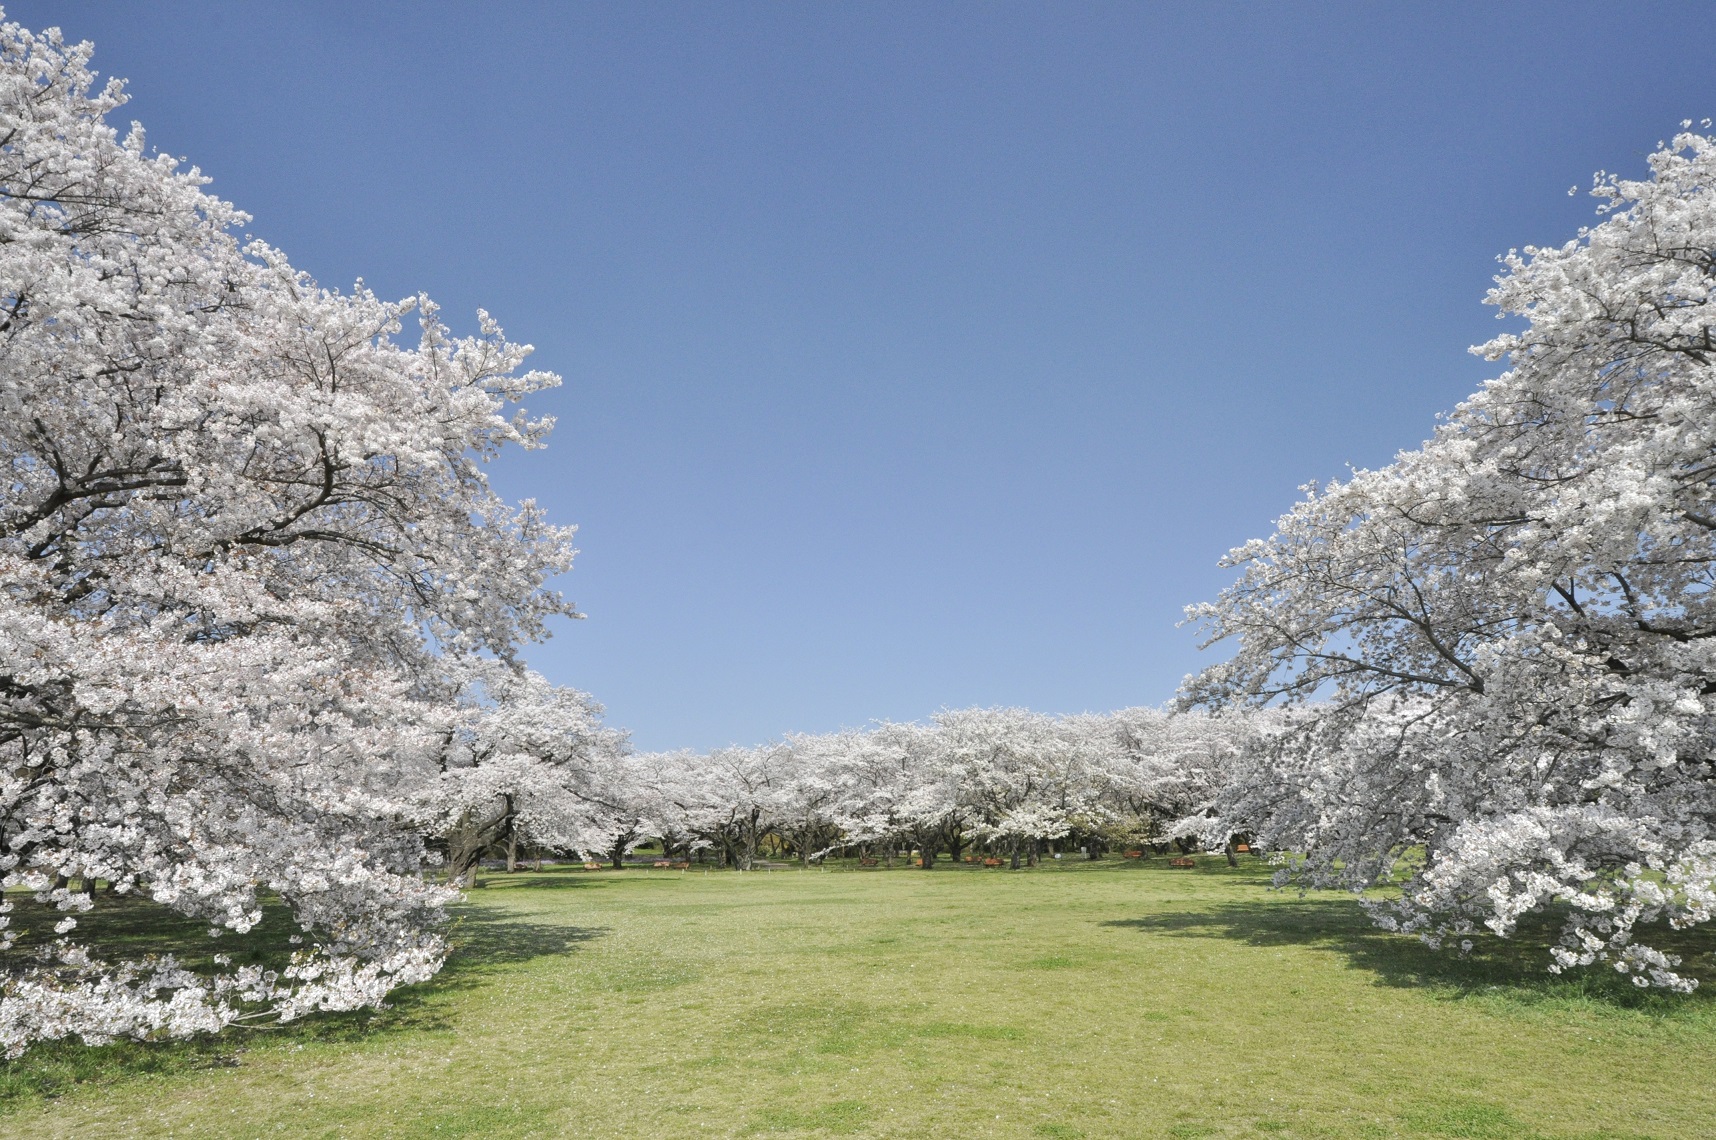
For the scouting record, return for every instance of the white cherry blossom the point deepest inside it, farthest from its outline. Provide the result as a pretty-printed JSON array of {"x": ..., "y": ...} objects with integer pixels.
[{"x": 1502, "y": 646}]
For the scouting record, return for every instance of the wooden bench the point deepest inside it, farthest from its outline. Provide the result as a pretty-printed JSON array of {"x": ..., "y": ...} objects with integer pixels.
[
  {"x": 1242, "y": 848},
  {"x": 1134, "y": 854},
  {"x": 592, "y": 866},
  {"x": 1182, "y": 861},
  {"x": 867, "y": 861},
  {"x": 991, "y": 862}
]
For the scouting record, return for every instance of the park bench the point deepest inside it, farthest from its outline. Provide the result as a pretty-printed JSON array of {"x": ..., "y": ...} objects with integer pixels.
[
  {"x": 991, "y": 862},
  {"x": 1182, "y": 861},
  {"x": 682, "y": 865},
  {"x": 867, "y": 861},
  {"x": 662, "y": 863},
  {"x": 1134, "y": 854},
  {"x": 1242, "y": 848},
  {"x": 592, "y": 866}
]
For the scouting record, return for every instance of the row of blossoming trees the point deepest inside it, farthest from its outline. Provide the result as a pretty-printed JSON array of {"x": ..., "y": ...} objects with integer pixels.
[
  {"x": 1005, "y": 781},
  {"x": 261, "y": 616}
]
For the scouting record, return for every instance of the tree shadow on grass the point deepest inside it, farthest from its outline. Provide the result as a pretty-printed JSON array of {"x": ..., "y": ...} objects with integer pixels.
[
  {"x": 484, "y": 939},
  {"x": 1512, "y": 970}
]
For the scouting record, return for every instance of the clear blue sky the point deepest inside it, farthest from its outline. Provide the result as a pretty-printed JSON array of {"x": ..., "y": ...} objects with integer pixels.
[{"x": 919, "y": 355}]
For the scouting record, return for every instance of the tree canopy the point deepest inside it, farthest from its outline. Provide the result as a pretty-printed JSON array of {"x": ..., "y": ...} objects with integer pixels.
[
  {"x": 1502, "y": 645},
  {"x": 249, "y": 561}
]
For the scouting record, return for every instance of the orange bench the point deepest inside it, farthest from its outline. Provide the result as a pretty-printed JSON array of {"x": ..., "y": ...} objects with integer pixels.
[
  {"x": 991, "y": 862},
  {"x": 1182, "y": 861}
]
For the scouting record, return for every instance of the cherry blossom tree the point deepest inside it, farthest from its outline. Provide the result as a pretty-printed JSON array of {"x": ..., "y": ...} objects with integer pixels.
[
  {"x": 726, "y": 800},
  {"x": 245, "y": 541},
  {"x": 1500, "y": 646},
  {"x": 1016, "y": 769},
  {"x": 526, "y": 765},
  {"x": 804, "y": 806}
]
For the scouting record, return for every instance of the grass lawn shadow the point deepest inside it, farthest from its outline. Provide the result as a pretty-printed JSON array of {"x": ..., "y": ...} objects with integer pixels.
[
  {"x": 1513, "y": 969},
  {"x": 484, "y": 940}
]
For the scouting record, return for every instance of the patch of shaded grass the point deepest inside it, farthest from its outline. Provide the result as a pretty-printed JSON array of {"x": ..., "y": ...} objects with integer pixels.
[
  {"x": 969, "y": 1032},
  {"x": 1512, "y": 970},
  {"x": 840, "y": 1117},
  {"x": 483, "y": 939},
  {"x": 1465, "y": 1120}
]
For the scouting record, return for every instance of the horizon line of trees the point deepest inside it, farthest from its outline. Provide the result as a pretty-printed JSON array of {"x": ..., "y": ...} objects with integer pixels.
[{"x": 1005, "y": 780}]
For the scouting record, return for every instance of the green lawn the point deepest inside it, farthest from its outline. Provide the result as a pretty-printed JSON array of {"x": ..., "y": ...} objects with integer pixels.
[{"x": 1112, "y": 1000}]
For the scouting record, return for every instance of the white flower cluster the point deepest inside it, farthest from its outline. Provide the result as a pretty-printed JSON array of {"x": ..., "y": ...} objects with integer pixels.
[
  {"x": 1006, "y": 778},
  {"x": 253, "y": 581},
  {"x": 1502, "y": 646},
  {"x": 73, "y": 995},
  {"x": 529, "y": 765}
]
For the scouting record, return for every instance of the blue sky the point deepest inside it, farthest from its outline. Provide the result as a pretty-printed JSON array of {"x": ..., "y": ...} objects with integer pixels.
[{"x": 919, "y": 355}]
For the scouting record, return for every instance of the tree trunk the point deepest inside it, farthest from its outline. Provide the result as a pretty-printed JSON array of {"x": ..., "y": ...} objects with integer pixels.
[
  {"x": 1232, "y": 859},
  {"x": 1013, "y": 856},
  {"x": 750, "y": 853},
  {"x": 465, "y": 844},
  {"x": 462, "y": 863},
  {"x": 1093, "y": 850}
]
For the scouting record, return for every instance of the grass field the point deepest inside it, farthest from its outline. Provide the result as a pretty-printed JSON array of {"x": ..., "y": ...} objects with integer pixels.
[{"x": 1075, "y": 1000}]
